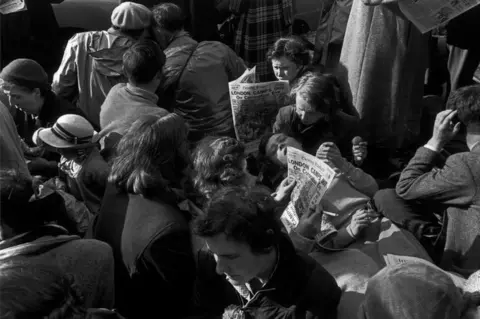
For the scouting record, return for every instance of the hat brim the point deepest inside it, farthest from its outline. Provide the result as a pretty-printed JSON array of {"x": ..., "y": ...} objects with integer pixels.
[{"x": 47, "y": 136}]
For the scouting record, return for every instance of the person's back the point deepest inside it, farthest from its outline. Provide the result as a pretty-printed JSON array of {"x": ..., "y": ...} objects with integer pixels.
[
  {"x": 197, "y": 76},
  {"x": 92, "y": 62}
]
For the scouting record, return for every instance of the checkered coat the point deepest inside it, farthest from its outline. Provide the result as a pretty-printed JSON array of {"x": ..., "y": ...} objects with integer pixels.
[{"x": 261, "y": 23}]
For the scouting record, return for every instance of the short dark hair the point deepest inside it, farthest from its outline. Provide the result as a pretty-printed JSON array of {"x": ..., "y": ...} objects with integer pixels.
[
  {"x": 38, "y": 290},
  {"x": 322, "y": 91},
  {"x": 292, "y": 48},
  {"x": 244, "y": 215},
  {"x": 466, "y": 101},
  {"x": 149, "y": 158},
  {"x": 169, "y": 16},
  {"x": 217, "y": 162},
  {"x": 143, "y": 61}
]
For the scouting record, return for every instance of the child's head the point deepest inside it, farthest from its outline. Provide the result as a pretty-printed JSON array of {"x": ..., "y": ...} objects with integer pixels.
[{"x": 71, "y": 136}]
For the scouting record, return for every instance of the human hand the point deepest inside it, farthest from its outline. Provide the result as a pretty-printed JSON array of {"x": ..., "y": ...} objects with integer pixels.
[
  {"x": 360, "y": 152},
  {"x": 361, "y": 220},
  {"x": 284, "y": 190},
  {"x": 444, "y": 129},
  {"x": 310, "y": 222},
  {"x": 330, "y": 153}
]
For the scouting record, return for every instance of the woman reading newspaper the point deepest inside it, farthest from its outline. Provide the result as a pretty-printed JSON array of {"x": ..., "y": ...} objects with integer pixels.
[{"x": 346, "y": 208}]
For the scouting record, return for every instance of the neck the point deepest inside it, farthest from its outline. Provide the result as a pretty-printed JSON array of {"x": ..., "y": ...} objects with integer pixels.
[
  {"x": 150, "y": 87},
  {"x": 472, "y": 141},
  {"x": 473, "y": 135},
  {"x": 270, "y": 261}
]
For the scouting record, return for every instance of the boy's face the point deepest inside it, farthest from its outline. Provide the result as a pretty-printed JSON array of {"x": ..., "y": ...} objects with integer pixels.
[
  {"x": 27, "y": 101},
  {"x": 276, "y": 148},
  {"x": 235, "y": 259}
]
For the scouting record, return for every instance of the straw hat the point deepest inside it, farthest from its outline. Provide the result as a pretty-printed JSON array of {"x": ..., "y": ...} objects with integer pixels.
[{"x": 70, "y": 131}]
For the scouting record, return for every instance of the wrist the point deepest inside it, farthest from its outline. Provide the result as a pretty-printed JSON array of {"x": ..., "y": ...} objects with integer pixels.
[
  {"x": 435, "y": 145},
  {"x": 350, "y": 232}
]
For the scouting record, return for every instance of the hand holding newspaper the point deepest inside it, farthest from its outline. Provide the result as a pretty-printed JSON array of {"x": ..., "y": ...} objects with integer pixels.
[
  {"x": 255, "y": 106},
  {"x": 313, "y": 178}
]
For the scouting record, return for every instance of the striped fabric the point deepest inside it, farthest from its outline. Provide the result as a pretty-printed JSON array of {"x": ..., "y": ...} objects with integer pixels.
[{"x": 259, "y": 27}]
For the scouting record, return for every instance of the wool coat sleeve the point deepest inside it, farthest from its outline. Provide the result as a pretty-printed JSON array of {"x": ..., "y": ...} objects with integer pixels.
[{"x": 452, "y": 185}]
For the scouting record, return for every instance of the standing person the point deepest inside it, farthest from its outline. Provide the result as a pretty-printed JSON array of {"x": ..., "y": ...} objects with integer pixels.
[
  {"x": 260, "y": 24},
  {"x": 92, "y": 61},
  {"x": 141, "y": 220},
  {"x": 383, "y": 63},
  {"x": 196, "y": 76}
]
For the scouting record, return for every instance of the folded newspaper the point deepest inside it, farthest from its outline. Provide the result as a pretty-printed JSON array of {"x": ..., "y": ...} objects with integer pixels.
[
  {"x": 429, "y": 14},
  {"x": 255, "y": 106},
  {"x": 313, "y": 178},
  {"x": 12, "y": 6}
]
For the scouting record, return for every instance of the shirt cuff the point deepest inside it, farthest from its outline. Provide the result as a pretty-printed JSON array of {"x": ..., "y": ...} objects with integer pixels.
[{"x": 432, "y": 148}]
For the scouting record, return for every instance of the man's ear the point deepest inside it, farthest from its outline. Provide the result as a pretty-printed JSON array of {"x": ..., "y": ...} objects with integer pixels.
[{"x": 36, "y": 92}]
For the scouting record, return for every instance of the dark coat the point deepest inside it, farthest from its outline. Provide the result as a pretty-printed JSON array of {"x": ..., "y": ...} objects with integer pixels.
[
  {"x": 464, "y": 30},
  {"x": 299, "y": 288},
  {"x": 154, "y": 263},
  {"x": 340, "y": 130},
  {"x": 456, "y": 187}
]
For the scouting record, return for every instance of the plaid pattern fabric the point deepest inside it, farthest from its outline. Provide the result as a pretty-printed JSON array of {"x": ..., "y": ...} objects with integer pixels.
[{"x": 259, "y": 27}]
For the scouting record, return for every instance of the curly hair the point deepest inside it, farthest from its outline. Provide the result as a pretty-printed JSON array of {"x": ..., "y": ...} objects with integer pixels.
[
  {"x": 466, "y": 101},
  {"x": 151, "y": 156},
  {"x": 218, "y": 161},
  {"x": 32, "y": 290},
  {"x": 292, "y": 48}
]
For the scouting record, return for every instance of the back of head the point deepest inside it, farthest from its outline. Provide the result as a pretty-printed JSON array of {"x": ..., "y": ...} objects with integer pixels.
[
  {"x": 321, "y": 91},
  {"x": 466, "y": 101},
  {"x": 292, "y": 48},
  {"x": 244, "y": 215},
  {"x": 151, "y": 155},
  {"x": 169, "y": 17},
  {"x": 143, "y": 61},
  {"x": 412, "y": 290},
  {"x": 33, "y": 290},
  {"x": 218, "y": 161},
  {"x": 17, "y": 212}
]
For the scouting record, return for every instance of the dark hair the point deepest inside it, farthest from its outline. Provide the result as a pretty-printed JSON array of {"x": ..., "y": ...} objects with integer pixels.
[
  {"x": 466, "y": 101},
  {"x": 33, "y": 290},
  {"x": 217, "y": 162},
  {"x": 143, "y": 61},
  {"x": 243, "y": 214},
  {"x": 149, "y": 156},
  {"x": 169, "y": 16},
  {"x": 292, "y": 48},
  {"x": 322, "y": 91},
  {"x": 269, "y": 171}
]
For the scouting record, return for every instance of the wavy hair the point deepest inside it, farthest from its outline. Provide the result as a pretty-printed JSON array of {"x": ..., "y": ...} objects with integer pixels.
[
  {"x": 32, "y": 290},
  {"x": 292, "y": 48},
  {"x": 218, "y": 161},
  {"x": 151, "y": 156}
]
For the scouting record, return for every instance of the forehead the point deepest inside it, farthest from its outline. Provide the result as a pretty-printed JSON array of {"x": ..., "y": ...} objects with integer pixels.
[
  {"x": 282, "y": 62},
  {"x": 303, "y": 105},
  {"x": 221, "y": 245},
  {"x": 14, "y": 89}
]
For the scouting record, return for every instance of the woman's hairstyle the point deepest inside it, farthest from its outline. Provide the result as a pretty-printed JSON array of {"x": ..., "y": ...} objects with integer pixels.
[
  {"x": 31, "y": 290},
  {"x": 292, "y": 48},
  {"x": 245, "y": 215},
  {"x": 151, "y": 156},
  {"x": 218, "y": 161},
  {"x": 322, "y": 91},
  {"x": 17, "y": 209}
]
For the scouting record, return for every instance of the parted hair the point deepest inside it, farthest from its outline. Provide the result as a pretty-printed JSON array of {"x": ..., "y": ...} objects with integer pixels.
[
  {"x": 466, "y": 101},
  {"x": 32, "y": 290},
  {"x": 292, "y": 48},
  {"x": 322, "y": 91},
  {"x": 143, "y": 61},
  {"x": 151, "y": 156},
  {"x": 243, "y": 214},
  {"x": 217, "y": 162}
]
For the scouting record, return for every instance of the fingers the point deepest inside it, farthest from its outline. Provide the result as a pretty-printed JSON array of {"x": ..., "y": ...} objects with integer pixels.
[
  {"x": 457, "y": 127},
  {"x": 445, "y": 115}
]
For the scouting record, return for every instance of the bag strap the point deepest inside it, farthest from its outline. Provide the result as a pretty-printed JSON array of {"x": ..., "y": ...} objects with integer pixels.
[{"x": 177, "y": 82}]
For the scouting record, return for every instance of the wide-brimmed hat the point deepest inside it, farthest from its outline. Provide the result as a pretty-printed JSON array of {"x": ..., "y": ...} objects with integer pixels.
[{"x": 69, "y": 131}]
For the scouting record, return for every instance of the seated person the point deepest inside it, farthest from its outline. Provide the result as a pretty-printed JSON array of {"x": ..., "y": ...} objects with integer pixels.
[
  {"x": 317, "y": 115},
  {"x": 415, "y": 291},
  {"x": 347, "y": 200},
  {"x": 28, "y": 231},
  {"x": 221, "y": 161},
  {"x": 39, "y": 290},
  {"x": 85, "y": 172},
  {"x": 423, "y": 188},
  {"x": 258, "y": 273}
]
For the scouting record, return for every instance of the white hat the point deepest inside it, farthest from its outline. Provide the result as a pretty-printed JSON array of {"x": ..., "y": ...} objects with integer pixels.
[
  {"x": 69, "y": 131},
  {"x": 131, "y": 16}
]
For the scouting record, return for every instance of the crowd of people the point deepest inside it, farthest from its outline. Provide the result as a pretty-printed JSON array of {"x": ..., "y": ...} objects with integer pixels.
[{"x": 125, "y": 192}]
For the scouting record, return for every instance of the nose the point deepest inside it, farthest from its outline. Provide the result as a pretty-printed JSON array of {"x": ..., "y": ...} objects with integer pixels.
[
  {"x": 10, "y": 100},
  {"x": 221, "y": 267}
]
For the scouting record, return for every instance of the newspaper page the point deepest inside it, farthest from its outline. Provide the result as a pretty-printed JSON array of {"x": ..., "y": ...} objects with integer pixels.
[
  {"x": 313, "y": 178},
  {"x": 429, "y": 14},
  {"x": 11, "y": 6},
  {"x": 254, "y": 108}
]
